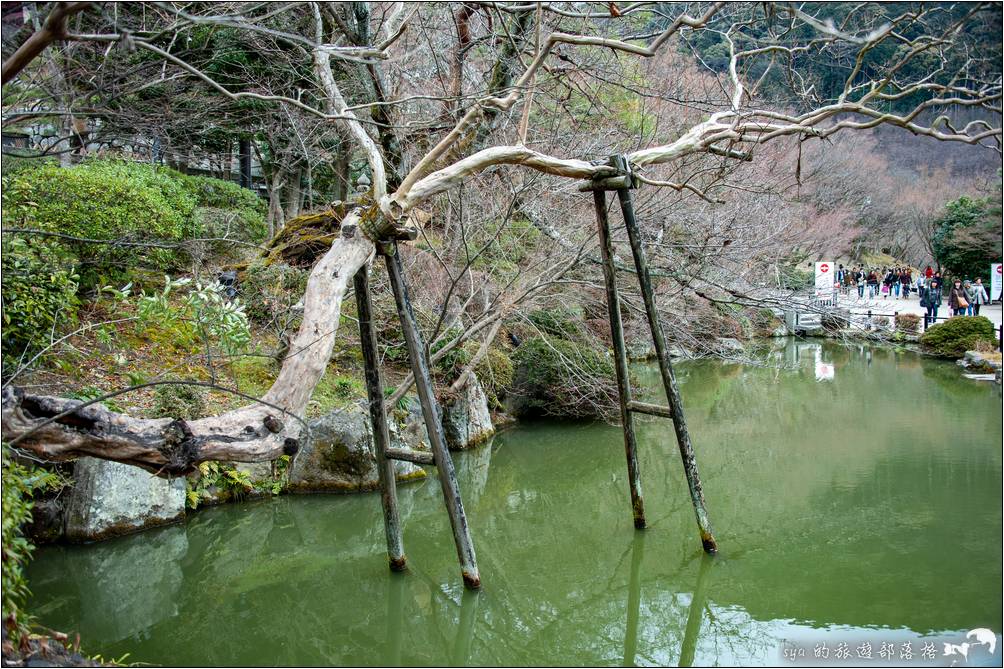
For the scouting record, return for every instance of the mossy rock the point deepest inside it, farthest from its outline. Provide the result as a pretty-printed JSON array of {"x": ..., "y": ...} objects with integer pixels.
[{"x": 305, "y": 238}]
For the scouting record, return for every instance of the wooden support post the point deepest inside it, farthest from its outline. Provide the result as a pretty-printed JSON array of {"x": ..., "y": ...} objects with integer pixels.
[
  {"x": 430, "y": 410},
  {"x": 378, "y": 418},
  {"x": 620, "y": 358},
  {"x": 668, "y": 377},
  {"x": 418, "y": 457}
]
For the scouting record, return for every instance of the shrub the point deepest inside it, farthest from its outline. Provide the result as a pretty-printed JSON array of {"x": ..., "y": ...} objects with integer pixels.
[
  {"x": 495, "y": 372},
  {"x": 105, "y": 200},
  {"x": 38, "y": 292},
  {"x": 455, "y": 360},
  {"x": 907, "y": 322},
  {"x": 562, "y": 378},
  {"x": 954, "y": 337},
  {"x": 556, "y": 322},
  {"x": 269, "y": 291},
  {"x": 224, "y": 209},
  {"x": 179, "y": 401},
  {"x": 19, "y": 485},
  {"x": 119, "y": 200}
]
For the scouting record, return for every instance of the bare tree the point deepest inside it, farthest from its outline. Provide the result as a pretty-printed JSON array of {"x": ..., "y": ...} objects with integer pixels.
[{"x": 564, "y": 62}]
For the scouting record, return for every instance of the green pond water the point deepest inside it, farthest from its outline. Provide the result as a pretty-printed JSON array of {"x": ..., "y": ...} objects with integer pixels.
[{"x": 855, "y": 494}]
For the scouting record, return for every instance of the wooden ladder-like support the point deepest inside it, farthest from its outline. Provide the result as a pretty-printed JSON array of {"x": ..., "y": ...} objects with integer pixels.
[
  {"x": 440, "y": 455},
  {"x": 623, "y": 183},
  {"x": 386, "y": 455}
]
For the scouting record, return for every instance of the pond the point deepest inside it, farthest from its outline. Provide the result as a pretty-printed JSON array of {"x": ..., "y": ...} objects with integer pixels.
[{"x": 855, "y": 494}]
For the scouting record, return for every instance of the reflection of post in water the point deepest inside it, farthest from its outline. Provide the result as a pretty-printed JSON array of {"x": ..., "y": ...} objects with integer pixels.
[
  {"x": 634, "y": 600},
  {"x": 696, "y": 614},
  {"x": 395, "y": 618},
  {"x": 465, "y": 629}
]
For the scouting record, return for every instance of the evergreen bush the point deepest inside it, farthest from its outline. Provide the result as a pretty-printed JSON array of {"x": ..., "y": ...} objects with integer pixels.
[
  {"x": 954, "y": 337},
  {"x": 559, "y": 377},
  {"x": 38, "y": 296}
]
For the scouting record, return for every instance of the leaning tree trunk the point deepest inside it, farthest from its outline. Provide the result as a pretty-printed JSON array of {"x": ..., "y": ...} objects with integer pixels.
[{"x": 254, "y": 433}]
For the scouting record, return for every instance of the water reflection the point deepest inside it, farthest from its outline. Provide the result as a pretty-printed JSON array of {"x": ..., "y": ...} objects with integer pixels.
[
  {"x": 695, "y": 614},
  {"x": 465, "y": 629},
  {"x": 634, "y": 600},
  {"x": 869, "y": 504},
  {"x": 397, "y": 582}
]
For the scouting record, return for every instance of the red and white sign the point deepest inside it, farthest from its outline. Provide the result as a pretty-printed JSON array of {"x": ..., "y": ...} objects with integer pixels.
[
  {"x": 995, "y": 280},
  {"x": 825, "y": 279}
]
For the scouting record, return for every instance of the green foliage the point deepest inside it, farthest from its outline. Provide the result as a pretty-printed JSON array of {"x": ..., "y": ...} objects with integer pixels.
[
  {"x": 187, "y": 402},
  {"x": 38, "y": 293},
  {"x": 453, "y": 361},
  {"x": 106, "y": 200},
  {"x": 496, "y": 373},
  {"x": 335, "y": 391},
  {"x": 556, "y": 323},
  {"x": 88, "y": 393},
  {"x": 271, "y": 290},
  {"x": 967, "y": 237},
  {"x": 794, "y": 277},
  {"x": 502, "y": 251},
  {"x": 131, "y": 202},
  {"x": 224, "y": 209},
  {"x": 203, "y": 311},
  {"x": 560, "y": 377},
  {"x": 20, "y": 483},
  {"x": 226, "y": 482},
  {"x": 230, "y": 483},
  {"x": 954, "y": 337}
]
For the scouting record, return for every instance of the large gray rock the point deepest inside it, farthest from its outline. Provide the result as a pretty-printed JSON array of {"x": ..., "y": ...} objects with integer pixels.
[
  {"x": 110, "y": 498},
  {"x": 407, "y": 426},
  {"x": 467, "y": 421},
  {"x": 978, "y": 362},
  {"x": 339, "y": 457},
  {"x": 729, "y": 345}
]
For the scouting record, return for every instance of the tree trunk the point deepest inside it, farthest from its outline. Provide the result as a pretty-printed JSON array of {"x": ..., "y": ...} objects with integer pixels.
[
  {"x": 245, "y": 162},
  {"x": 165, "y": 446},
  {"x": 292, "y": 196},
  {"x": 276, "y": 219},
  {"x": 341, "y": 168}
]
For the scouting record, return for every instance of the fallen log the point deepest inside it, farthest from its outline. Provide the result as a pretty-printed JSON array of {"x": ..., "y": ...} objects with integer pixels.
[{"x": 57, "y": 429}]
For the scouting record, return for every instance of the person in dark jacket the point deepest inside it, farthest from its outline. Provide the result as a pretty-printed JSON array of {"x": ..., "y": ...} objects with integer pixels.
[
  {"x": 931, "y": 299},
  {"x": 906, "y": 279},
  {"x": 873, "y": 283},
  {"x": 957, "y": 301}
]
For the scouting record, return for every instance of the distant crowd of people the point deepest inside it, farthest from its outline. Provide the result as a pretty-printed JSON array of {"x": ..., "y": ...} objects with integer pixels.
[{"x": 964, "y": 296}]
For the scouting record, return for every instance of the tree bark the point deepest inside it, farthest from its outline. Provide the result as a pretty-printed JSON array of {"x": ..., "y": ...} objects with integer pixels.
[
  {"x": 276, "y": 219},
  {"x": 292, "y": 197},
  {"x": 253, "y": 433}
]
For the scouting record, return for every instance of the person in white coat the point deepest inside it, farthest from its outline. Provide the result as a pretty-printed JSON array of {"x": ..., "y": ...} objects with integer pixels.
[{"x": 979, "y": 293}]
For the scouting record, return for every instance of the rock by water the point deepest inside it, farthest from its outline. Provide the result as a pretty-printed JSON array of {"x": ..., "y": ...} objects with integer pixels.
[
  {"x": 340, "y": 456},
  {"x": 467, "y": 421},
  {"x": 111, "y": 498}
]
